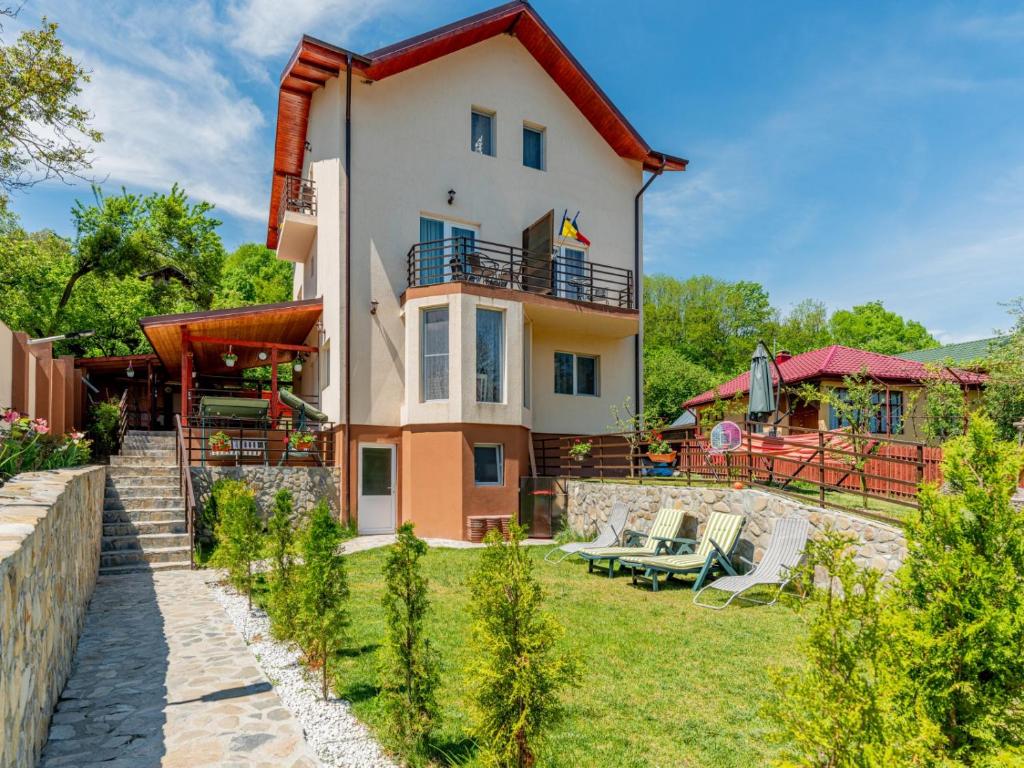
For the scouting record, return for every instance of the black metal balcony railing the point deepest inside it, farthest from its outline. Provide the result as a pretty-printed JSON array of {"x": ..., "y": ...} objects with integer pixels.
[
  {"x": 467, "y": 260},
  {"x": 297, "y": 196}
]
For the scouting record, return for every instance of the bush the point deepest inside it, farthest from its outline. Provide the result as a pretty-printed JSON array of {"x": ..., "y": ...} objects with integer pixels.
[
  {"x": 962, "y": 606},
  {"x": 517, "y": 666},
  {"x": 322, "y": 591},
  {"x": 281, "y": 540},
  {"x": 104, "y": 418},
  {"x": 238, "y": 534},
  {"x": 27, "y": 446},
  {"x": 409, "y": 676}
]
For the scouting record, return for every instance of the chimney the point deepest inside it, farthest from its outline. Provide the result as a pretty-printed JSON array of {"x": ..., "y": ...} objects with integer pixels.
[{"x": 782, "y": 356}]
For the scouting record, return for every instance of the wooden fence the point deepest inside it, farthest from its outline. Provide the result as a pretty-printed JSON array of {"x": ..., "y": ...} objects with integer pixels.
[{"x": 870, "y": 466}]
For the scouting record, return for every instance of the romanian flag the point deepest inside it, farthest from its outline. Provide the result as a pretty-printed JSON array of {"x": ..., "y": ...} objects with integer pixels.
[{"x": 569, "y": 228}]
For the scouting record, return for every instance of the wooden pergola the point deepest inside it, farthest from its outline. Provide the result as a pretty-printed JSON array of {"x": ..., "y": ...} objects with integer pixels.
[{"x": 198, "y": 341}]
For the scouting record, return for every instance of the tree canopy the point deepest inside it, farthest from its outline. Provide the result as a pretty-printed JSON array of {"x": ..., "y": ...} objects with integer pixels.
[
  {"x": 132, "y": 256},
  {"x": 43, "y": 132}
]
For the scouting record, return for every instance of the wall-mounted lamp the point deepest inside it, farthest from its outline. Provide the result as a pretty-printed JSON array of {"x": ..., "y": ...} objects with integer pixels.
[
  {"x": 297, "y": 365},
  {"x": 262, "y": 354},
  {"x": 130, "y": 373},
  {"x": 373, "y": 306},
  {"x": 451, "y": 196}
]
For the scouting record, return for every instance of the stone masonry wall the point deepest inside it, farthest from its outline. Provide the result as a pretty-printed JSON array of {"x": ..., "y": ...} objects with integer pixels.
[
  {"x": 307, "y": 484},
  {"x": 50, "y": 528},
  {"x": 880, "y": 546}
]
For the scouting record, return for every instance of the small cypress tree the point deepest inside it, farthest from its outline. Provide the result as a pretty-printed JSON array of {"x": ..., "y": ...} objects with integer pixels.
[
  {"x": 239, "y": 534},
  {"x": 322, "y": 591},
  {"x": 281, "y": 536},
  {"x": 409, "y": 671},
  {"x": 961, "y": 599},
  {"x": 517, "y": 666}
]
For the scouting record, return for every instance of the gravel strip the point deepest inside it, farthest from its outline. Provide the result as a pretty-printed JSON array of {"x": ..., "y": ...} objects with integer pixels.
[{"x": 337, "y": 737}]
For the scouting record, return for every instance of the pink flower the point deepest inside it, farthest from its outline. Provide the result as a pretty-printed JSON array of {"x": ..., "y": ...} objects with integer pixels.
[
  {"x": 11, "y": 416},
  {"x": 40, "y": 427},
  {"x": 76, "y": 436}
]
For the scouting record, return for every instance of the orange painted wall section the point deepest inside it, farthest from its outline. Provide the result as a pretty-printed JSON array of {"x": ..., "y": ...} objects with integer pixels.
[{"x": 438, "y": 488}]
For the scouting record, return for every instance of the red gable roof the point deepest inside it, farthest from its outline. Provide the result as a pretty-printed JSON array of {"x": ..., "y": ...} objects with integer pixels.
[
  {"x": 835, "y": 362},
  {"x": 314, "y": 62}
]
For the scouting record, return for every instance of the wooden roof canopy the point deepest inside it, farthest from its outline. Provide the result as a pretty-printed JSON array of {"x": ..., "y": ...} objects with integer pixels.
[
  {"x": 314, "y": 62},
  {"x": 284, "y": 326}
]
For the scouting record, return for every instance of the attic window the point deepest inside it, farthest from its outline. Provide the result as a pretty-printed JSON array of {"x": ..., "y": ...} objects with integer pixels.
[{"x": 481, "y": 139}]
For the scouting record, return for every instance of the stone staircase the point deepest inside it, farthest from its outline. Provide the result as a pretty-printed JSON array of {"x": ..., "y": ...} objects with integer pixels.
[{"x": 144, "y": 525}]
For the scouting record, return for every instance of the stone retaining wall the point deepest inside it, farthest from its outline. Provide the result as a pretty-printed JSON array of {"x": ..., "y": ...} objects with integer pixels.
[
  {"x": 881, "y": 546},
  {"x": 50, "y": 528},
  {"x": 307, "y": 484}
]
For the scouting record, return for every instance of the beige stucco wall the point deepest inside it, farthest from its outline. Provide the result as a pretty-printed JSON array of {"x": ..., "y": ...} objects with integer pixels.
[
  {"x": 410, "y": 145},
  {"x": 6, "y": 366}
]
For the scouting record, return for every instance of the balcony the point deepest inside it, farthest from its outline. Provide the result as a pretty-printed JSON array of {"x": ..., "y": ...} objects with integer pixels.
[
  {"x": 470, "y": 261},
  {"x": 296, "y": 223}
]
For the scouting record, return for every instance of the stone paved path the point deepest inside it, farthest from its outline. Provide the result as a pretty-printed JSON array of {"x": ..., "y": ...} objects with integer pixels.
[{"x": 161, "y": 678}]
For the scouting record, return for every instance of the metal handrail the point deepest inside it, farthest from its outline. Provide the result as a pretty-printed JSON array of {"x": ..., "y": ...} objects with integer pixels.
[
  {"x": 298, "y": 195},
  {"x": 468, "y": 260},
  {"x": 122, "y": 420},
  {"x": 185, "y": 486}
]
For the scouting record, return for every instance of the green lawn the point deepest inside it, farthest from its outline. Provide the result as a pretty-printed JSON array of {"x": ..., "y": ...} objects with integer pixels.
[{"x": 664, "y": 683}]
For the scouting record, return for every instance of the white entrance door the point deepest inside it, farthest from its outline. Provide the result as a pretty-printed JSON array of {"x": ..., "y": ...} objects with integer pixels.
[{"x": 377, "y": 488}]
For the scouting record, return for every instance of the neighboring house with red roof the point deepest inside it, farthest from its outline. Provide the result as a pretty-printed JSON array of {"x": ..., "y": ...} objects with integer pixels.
[{"x": 897, "y": 379}]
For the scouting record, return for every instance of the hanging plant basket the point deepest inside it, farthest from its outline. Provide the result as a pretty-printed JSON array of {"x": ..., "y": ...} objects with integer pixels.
[
  {"x": 229, "y": 359},
  {"x": 220, "y": 444},
  {"x": 302, "y": 442}
]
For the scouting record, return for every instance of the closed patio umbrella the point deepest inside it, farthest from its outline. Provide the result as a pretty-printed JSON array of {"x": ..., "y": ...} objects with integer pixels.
[{"x": 762, "y": 402}]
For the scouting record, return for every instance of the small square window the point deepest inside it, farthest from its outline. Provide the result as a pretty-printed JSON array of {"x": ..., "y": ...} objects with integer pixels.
[
  {"x": 488, "y": 465},
  {"x": 533, "y": 147},
  {"x": 481, "y": 138},
  {"x": 576, "y": 374}
]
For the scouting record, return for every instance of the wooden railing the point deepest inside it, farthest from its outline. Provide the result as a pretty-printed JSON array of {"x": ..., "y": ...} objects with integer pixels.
[
  {"x": 468, "y": 260},
  {"x": 256, "y": 442},
  {"x": 298, "y": 195},
  {"x": 123, "y": 419},
  {"x": 185, "y": 485},
  {"x": 830, "y": 463}
]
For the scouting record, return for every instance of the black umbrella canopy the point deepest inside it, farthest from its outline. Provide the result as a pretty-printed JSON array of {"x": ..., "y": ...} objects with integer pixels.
[{"x": 762, "y": 401}]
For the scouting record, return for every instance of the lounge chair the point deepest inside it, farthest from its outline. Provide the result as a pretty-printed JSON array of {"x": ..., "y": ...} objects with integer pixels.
[
  {"x": 776, "y": 567},
  {"x": 664, "y": 530},
  {"x": 607, "y": 535},
  {"x": 714, "y": 549}
]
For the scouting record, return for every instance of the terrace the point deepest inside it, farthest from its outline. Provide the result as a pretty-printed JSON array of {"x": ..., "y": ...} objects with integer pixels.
[{"x": 468, "y": 260}]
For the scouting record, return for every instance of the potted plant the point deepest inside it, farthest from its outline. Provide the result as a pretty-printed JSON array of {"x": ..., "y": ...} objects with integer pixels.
[
  {"x": 229, "y": 359},
  {"x": 659, "y": 450},
  {"x": 580, "y": 450},
  {"x": 219, "y": 443},
  {"x": 302, "y": 442}
]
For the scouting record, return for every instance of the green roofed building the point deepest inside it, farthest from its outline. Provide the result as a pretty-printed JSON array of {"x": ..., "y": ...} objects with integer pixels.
[{"x": 958, "y": 354}]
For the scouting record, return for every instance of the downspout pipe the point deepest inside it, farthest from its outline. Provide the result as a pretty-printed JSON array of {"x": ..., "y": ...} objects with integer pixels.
[
  {"x": 638, "y": 284},
  {"x": 346, "y": 503}
]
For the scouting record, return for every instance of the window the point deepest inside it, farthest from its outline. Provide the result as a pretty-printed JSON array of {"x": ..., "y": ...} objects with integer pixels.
[
  {"x": 572, "y": 275},
  {"x": 533, "y": 147},
  {"x": 490, "y": 355},
  {"x": 445, "y": 251},
  {"x": 481, "y": 139},
  {"x": 488, "y": 465},
  {"x": 880, "y": 419},
  {"x": 434, "y": 353},
  {"x": 576, "y": 374}
]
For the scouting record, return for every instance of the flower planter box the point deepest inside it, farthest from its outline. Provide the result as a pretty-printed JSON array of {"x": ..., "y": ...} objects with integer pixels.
[{"x": 662, "y": 458}]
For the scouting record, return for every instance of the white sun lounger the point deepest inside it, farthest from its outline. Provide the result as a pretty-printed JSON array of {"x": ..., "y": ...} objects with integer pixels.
[
  {"x": 784, "y": 554},
  {"x": 607, "y": 536}
]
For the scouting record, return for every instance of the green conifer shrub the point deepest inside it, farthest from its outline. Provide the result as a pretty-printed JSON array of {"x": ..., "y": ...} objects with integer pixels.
[
  {"x": 321, "y": 592},
  {"x": 518, "y": 665},
  {"x": 281, "y": 544},
  {"x": 409, "y": 668},
  {"x": 239, "y": 534}
]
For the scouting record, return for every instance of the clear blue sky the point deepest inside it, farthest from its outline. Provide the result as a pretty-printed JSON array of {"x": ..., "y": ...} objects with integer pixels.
[{"x": 841, "y": 151}]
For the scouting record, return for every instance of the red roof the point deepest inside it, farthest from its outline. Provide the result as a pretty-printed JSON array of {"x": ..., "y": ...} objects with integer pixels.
[
  {"x": 314, "y": 62},
  {"x": 835, "y": 362}
]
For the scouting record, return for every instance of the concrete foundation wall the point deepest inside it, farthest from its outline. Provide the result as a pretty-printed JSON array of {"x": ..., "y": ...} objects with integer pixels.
[
  {"x": 50, "y": 528},
  {"x": 879, "y": 546}
]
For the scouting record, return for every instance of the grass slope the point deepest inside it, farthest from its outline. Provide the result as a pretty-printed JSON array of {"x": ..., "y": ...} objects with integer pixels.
[{"x": 664, "y": 683}]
